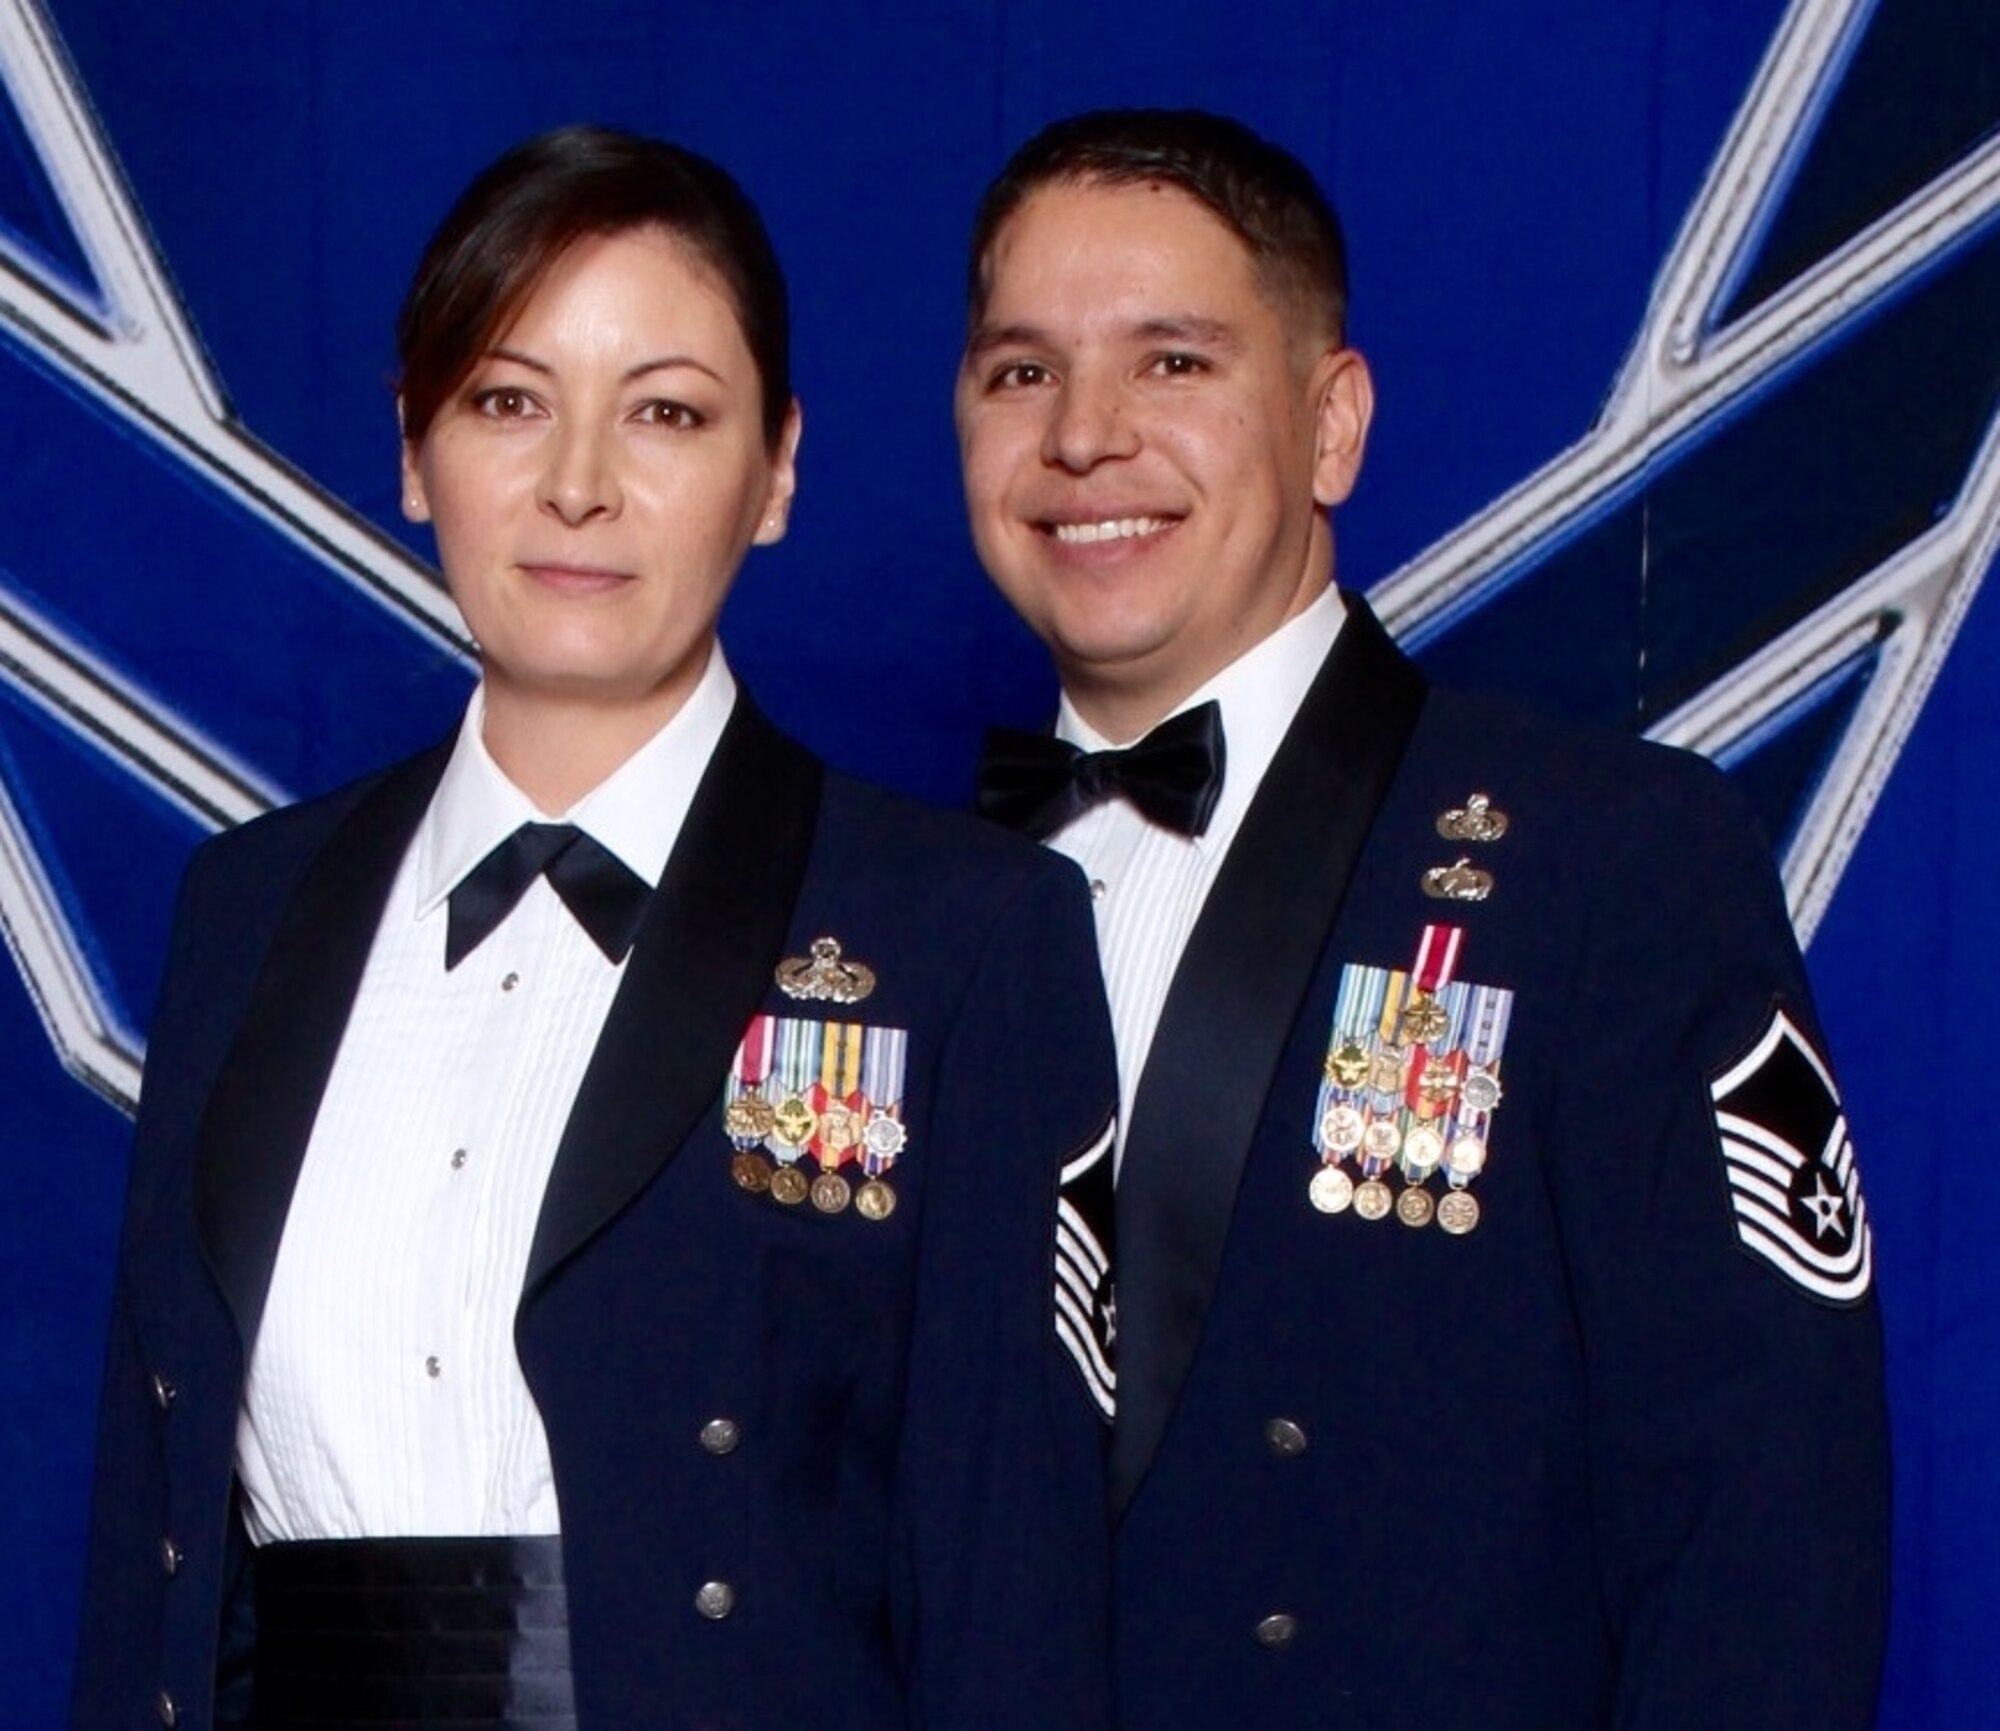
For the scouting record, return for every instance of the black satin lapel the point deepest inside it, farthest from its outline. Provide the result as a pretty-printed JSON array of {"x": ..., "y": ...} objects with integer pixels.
[
  {"x": 702, "y": 963},
  {"x": 1234, "y": 1000},
  {"x": 261, "y": 1111}
]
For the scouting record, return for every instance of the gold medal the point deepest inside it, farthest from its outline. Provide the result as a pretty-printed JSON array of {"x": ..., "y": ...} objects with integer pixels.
[
  {"x": 789, "y": 1186},
  {"x": 748, "y": 1117},
  {"x": 829, "y": 1193},
  {"x": 752, "y": 1172},
  {"x": 875, "y": 1200},
  {"x": 1436, "y": 1087},
  {"x": 1371, "y": 1199},
  {"x": 793, "y": 1121},
  {"x": 1385, "y": 1075},
  {"x": 1331, "y": 1190},
  {"x": 1423, "y": 1021},
  {"x": 1414, "y": 1207},
  {"x": 1348, "y": 1066},
  {"x": 1458, "y": 1212},
  {"x": 839, "y": 1129}
]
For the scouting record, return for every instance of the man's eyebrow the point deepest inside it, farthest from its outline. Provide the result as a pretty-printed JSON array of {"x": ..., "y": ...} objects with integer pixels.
[
  {"x": 1192, "y": 328},
  {"x": 986, "y": 338},
  {"x": 1189, "y": 328}
]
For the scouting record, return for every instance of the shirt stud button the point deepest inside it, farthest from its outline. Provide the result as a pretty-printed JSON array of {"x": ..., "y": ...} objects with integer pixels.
[
  {"x": 510, "y": 982},
  {"x": 433, "y": 1366}
]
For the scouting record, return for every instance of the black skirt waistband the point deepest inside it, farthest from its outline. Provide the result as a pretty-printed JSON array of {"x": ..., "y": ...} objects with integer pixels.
[{"x": 413, "y": 1632}]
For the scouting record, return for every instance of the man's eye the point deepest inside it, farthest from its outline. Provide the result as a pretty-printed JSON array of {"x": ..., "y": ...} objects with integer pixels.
[
  {"x": 1177, "y": 365},
  {"x": 1019, "y": 375}
]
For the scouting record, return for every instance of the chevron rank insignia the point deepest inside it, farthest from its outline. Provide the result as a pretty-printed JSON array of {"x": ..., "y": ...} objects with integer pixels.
[
  {"x": 1790, "y": 1165},
  {"x": 1086, "y": 1298}
]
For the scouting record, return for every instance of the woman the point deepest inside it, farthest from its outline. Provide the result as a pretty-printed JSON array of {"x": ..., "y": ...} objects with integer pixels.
[{"x": 590, "y": 1249}]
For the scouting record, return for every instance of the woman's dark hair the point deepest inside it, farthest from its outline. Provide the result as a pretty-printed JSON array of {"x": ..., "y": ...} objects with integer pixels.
[{"x": 524, "y": 211}]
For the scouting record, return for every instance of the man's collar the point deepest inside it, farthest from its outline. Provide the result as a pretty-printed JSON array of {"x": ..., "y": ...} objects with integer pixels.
[{"x": 1259, "y": 693}]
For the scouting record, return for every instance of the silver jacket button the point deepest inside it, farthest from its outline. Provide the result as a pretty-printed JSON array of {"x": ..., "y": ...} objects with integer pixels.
[
  {"x": 1277, "y": 1630},
  {"x": 163, "y": 1705},
  {"x": 170, "y": 1557},
  {"x": 1286, "y": 1439},
  {"x": 163, "y": 1392},
  {"x": 715, "y": 1600},
  {"x": 721, "y": 1435}
]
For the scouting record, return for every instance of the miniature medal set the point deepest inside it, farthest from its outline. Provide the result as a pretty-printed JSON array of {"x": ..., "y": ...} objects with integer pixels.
[
  {"x": 1412, "y": 1074},
  {"x": 814, "y": 1108}
]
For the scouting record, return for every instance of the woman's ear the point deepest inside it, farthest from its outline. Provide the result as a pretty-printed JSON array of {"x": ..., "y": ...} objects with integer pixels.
[{"x": 784, "y": 479}]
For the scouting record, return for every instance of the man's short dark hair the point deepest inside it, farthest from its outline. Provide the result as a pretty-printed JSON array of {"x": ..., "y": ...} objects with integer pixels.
[
  {"x": 523, "y": 212},
  {"x": 1265, "y": 196}
]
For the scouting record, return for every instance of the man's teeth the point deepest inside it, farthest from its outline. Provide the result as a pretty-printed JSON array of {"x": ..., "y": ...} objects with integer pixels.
[{"x": 1114, "y": 529}]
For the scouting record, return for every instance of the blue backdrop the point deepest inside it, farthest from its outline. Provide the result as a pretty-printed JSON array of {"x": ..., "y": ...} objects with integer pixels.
[{"x": 1685, "y": 316}]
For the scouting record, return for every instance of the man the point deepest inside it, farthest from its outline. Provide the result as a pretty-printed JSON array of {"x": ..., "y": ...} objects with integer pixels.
[{"x": 1494, "y": 1297}]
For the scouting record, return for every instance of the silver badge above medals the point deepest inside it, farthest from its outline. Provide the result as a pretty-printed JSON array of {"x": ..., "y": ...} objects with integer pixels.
[
  {"x": 1478, "y": 819},
  {"x": 1409, "y": 1088},
  {"x": 1793, "y": 1183},
  {"x": 806, "y": 1100},
  {"x": 1461, "y": 881},
  {"x": 825, "y": 976}
]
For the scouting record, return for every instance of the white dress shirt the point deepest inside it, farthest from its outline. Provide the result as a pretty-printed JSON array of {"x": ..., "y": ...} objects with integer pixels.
[
  {"x": 383, "y": 1397},
  {"x": 1148, "y": 882}
]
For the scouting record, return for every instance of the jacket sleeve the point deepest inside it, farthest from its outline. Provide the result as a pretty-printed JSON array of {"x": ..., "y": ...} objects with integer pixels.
[
  {"x": 1003, "y": 1538},
  {"x": 118, "y": 1662},
  {"x": 1722, "y": 1271}
]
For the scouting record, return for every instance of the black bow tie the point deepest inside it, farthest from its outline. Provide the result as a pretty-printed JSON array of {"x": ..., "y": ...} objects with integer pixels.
[
  {"x": 1036, "y": 784},
  {"x": 606, "y": 895}
]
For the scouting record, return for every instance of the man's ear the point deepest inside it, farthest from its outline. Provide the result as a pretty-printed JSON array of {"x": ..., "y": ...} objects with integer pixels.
[{"x": 1343, "y": 398}]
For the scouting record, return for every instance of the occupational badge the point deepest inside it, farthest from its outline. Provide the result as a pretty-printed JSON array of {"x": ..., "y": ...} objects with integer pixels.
[
  {"x": 1793, "y": 1183},
  {"x": 1478, "y": 819},
  {"x": 1461, "y": 881},
  {"x": 825, "y": 976},
  {"x": 1408, "y": 1089},
  {"x": 1086, "y": 1315},
  {"x": 814, "y": 1111}
]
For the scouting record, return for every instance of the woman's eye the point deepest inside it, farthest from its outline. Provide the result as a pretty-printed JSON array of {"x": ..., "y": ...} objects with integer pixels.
[
  {"x": 503, "y": 402},
  {"x": 661, "y": 412}
]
